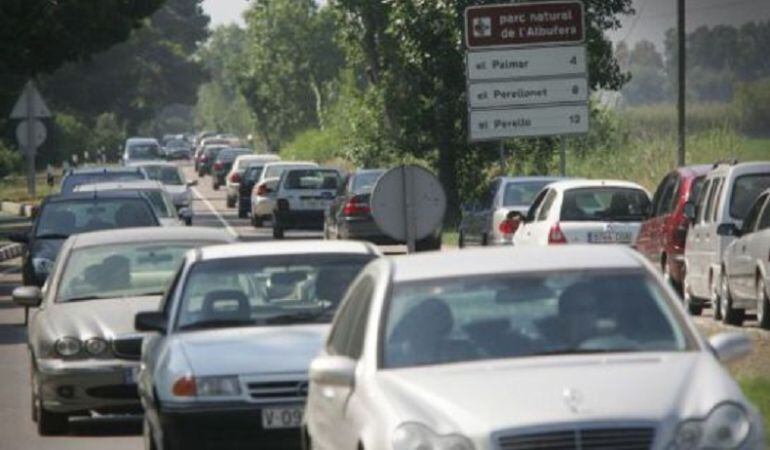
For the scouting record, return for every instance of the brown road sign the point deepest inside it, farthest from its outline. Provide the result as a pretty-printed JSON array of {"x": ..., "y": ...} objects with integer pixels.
[{"x": 519, "y": 24}]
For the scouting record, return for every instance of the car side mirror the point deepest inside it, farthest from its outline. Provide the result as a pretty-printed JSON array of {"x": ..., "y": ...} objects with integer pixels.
[
  {"x": 192, "y": 183},
  {"x": 20, "y": 238},
  {"x": 729, "y": 347},
  {"x": 185, "y": 214},
  {"x": 150, "y": 321},
  {"x": 728, "y": 229},
  {"x": 689, "y": 211},
  {"x": 333, "y": 371},
  {"x": 27, "y": 296}
]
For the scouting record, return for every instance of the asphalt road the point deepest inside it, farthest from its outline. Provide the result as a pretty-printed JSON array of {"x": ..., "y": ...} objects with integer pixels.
[{"x": 17, "y": 431}]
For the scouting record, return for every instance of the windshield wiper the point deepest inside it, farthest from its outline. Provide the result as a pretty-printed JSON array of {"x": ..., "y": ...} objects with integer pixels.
[
  {"x": 84, "y": 298},
  {"x": 52, "y": 236},
  {"x": 296, "y": 317},
  {"x": 204, "y": 324},
  {"x": 583, "y": 351},
  {"x": 145, "y": 294}
]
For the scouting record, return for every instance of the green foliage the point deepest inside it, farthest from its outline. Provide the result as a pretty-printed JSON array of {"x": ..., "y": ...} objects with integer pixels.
[
  {"x": 648, "y": 82},
  {"x": 71, "y": 137},
  {"x": 753, "y": 103},
  {"x": 758, "y": 392},
  {"x": 108, "y": 135},
  {"x": 10, "y": 160},
  {"x": 313, "y": 145}
]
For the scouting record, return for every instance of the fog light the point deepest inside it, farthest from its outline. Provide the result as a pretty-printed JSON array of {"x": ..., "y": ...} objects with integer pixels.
[{"x": 65, "y": 391}]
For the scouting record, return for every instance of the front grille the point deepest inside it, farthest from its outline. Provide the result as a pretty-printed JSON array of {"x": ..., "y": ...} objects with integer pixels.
[
  {"x": 582, "y": 439},
  {"x": 278, "y": 391},
  {"x": 127, "y": 348},
  {"x": 116, "y": 392}
]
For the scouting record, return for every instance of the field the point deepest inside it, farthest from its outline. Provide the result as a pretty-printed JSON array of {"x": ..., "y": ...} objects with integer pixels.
[{"x": 13, "y": 188}]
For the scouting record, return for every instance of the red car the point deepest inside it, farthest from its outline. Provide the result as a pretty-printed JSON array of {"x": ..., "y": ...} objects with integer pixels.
[{"x": 663, "y": 235}]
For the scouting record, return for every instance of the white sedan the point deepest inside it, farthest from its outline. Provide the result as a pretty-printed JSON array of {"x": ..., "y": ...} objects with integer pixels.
[
  {"x": 585, "y": 212},
  {"x": 500, "y": 349}
]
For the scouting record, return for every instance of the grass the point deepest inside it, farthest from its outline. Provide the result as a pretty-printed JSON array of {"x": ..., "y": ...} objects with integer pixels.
[
  {"x": 13, "y": 188},
  {"x": 758, "y": 391},
  {"x": 450, "y": 238}
]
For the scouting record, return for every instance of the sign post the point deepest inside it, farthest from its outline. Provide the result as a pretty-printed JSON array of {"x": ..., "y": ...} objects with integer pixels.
[
  {"x": 527, "y": 71},
  {"x": 31, "y": 132}
]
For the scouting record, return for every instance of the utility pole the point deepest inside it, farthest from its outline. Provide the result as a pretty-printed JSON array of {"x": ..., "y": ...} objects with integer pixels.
[{"x": 682, "y": 82}]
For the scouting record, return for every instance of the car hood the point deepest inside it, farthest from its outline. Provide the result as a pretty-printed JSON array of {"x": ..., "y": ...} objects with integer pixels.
[
  {"x": 106, "y": 318},
  {"x": 253, "y": 350},
  {"x": 481, "y": 398},
  {"x": 175, "y": 190}
]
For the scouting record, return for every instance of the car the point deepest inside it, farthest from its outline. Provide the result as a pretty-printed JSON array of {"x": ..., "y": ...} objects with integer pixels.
[
  {"x": 263, "y": 194},
  {"x": 206, "y": 160},
  {"x": 234, "y": 338},
  {"x": 664, "y": 232},
  {"x": 161, "y": 202},
  {"x": 218, "y": 141},
  {"x": 245, "y": 186},
  {"x": 91, "y": 175},
  {"x": 747, "y": 266},
  {"x": 349, "y": 216},
  {"x": 174, "y": 182},
  {"x": 526, "y": 348},
  {"x": 726, "y": 196},
  {"x": 301, "y": 198},
  {"x": 486, "y": 222},
  {"x": 97, "y": 285},
  {"x": 61, "y": 216},
  {"x": 585, "y": 212},
  {"x": 141, "y": 149},
  {"x": 223, "y": 163},
  {"x": 177, "y": 148},
  {"x": 237, "y": 169}
]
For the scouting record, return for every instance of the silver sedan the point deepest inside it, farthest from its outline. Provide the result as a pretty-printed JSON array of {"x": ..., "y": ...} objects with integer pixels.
[
  {"x": 99, "y": 282},
  {"x": 523, "y": 349}
]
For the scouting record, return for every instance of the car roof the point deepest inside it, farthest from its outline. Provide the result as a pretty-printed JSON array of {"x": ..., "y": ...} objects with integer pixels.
[
  {"x": 103, "y": 169},
  {"x": 533, "y": 178},
  {"x": 572, "y": 184},
  {"x": 479, "y": 262},
  {"x": 141, "y": 140},
  {"x": 259, "y": 157},
  {"x": 120, "y": 185},
  {"x": 745, "y": 167},
  {"x": 94, "y": 195},
  {"x": 368, "y": 171},
  {"x": 299, "y": 247},
  {"x": 151, "y": 234},
  {"x": 291, "y": 163},
  {"x": 152, "y": 164},
  {"x": 695, "y": 170}
]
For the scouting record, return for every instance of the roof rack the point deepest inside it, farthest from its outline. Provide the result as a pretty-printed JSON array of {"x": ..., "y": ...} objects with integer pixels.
[{"x": 729, "y": 161}]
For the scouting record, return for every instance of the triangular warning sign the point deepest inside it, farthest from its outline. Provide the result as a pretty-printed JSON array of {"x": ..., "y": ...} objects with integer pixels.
[{"x": 30, "y": 104}]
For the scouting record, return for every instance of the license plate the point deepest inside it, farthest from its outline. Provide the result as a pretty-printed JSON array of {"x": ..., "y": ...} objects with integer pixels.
[
  {"x": 277, "y": 418},
  {"x": 609, "y": 237},
  {"x": 131, "y": 375}
]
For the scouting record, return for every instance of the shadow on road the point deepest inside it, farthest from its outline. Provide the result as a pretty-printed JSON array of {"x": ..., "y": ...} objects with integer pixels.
[{"x": 107, "y": 426}]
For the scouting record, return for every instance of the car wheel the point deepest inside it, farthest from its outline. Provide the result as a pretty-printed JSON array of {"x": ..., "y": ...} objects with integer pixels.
[
  {"x": 242, "y": 213},
  {"x": 214, "y": 185},
  {"x": 50, "y": 423},
  {"x": 431, "y": 243},
  {"x": 484, "y": 240},
  {"x": 669, "y": 279},
  {"x": 730, "y": 316},
  {"x": 277, "y": 230},
  {"x": 461, "y": 239},
  {"x": 763, "y": 305},
  {"x": 230, "y": 202},
  {"x": 256, "y": 220},
  {"x": 690, "y": 304}
]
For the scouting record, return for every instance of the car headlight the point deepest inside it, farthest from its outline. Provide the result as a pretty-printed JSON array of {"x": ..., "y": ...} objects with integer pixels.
[
  {"x": 227, "y": 386},
  {"x": 68, "y": 346},
  {"x": 42, "y": 265},
  {"x": 415, "y": 436},
  {"x": 726, "y": 427},
  {"x": 96, "y": 346}
]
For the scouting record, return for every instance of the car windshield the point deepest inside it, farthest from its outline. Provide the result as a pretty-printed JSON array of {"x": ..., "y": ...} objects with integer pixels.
[
  {"x": 604, "y": 204},
  {"x": 312, "y": 179},
  {"x": 266, "y": 290},
  {"x": 515, "y": 316},
  {"x": 745, "y": 190},
  {"x": 64, "y": 218},
  {"x": 125, "y": 270},
  {"x": 522, "y": 193},
  {"x": 144, "y": 151},
  {"x": 167, "y": 175},
  {"x": 70, "y": 182},
  {"x": 363, "y": 183}
]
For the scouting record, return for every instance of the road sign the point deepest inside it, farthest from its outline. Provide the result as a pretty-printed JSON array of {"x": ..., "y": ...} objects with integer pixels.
[
  {"x": 38, "y": 133},
  {"x": 408, "y": 204},
  {"x": 30, "y": 104},
  {"x": 495, "y": 124},
  {"x": 499, "y": 94},
  {"x": 521, "y": 24},
  {"x": 526, "y": 63}
]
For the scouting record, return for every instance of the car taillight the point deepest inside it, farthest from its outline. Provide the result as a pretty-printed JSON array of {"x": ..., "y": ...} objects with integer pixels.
[
  {"x": 555, "y": 236},
  {"x": 355, "y": 207},
  {"x": 185, "y": 387},
  {"x": 218, "y": 166},
  {"x": 262, "y": 190},
  {"x": 235, "y": 178}
]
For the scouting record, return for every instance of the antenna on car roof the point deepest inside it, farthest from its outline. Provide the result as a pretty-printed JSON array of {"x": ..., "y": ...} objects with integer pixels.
[{"x": 730, "y": 161}]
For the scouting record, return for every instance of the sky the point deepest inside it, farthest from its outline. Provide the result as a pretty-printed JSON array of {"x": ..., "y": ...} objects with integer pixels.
[{"x": 653, "y": 17}]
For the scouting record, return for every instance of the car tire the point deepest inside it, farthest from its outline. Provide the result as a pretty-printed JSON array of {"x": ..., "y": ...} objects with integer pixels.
[
  {"x": 242, "y": 213},
  {"x": 763, "y": 305},
  {"x": 730, "y": 315},
  {"x": 214, "y": 185},
  {"x": 230, "y": 202},
  {"x": 677, "y": 287},
  {"x": 278, "y": 232},
  {"x": 256, "y": 220},
  {"x": 690, "y": 304},
  {"x": 431, "y": 243},
  {"x": 461, "y": 239},
  {"x": 50, "y": 423},
  {"x": 484, "y": 240}
]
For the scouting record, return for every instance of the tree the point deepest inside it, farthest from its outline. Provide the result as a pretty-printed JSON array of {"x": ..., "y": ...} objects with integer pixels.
[{"x": 648, "y": 82}]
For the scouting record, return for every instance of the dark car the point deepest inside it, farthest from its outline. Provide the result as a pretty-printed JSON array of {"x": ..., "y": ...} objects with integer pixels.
[
  {"x": 93, "y": 175},
  {"x": 223, "y": 163},
  {"x": 60, "y": 216},
  {"x": 663, "y": 235},
  {"x": 248, "y": 180},
  {"x": 177, "y": 149},
  {"x": 208, "y": 156},
  {"x": 349, "y": 216}
]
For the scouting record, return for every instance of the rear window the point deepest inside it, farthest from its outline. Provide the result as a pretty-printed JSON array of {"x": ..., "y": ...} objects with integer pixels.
[
  {"x": 62, "y": 219},
  {"x": 312, "y": 179},
  {"x": 745, "y": 190},
  {"x": 70, "y": 182},
  {"x": 277, "y": 171},
  {"x": 144, "y": 151},
  {"x": 253, "y": 173},
  {"x": 166, "y": 175},
  {"x": 522, "y": 193},
  {"x": 604, "y": 204},
  {"x": 364, "y": 182}
]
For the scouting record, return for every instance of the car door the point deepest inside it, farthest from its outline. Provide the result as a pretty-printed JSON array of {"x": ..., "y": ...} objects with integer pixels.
[
  {"x": 761, "y": 248},
  {"x": 650, "y": 240},
  {"x": 480, "y": 218},
  {"x": 743, "y": 276},
  {"x": 535, "y": 231},
  {"x": 695, "y": 248}
]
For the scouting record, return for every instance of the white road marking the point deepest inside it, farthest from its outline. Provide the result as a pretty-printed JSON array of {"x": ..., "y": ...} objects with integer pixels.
[
  {"x": 11, "y": 269},
  {"x": 219, "y": 217}
]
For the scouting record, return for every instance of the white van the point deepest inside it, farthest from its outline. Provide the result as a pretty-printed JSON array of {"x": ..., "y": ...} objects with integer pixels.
[
  {"x": 142, "y": 150},
  {"x": 725, "y": 198},
  {"x": 263, "y": 195}
]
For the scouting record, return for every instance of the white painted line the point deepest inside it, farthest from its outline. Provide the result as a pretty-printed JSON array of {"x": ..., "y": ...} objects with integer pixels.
[
  {"x": 11, "y": 270},
  {"x": 208, "y": 204}
]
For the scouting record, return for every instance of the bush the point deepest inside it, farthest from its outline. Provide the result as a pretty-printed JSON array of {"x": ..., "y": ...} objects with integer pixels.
[
  {"x": 11, "y": 161},
  {"x": 70, "y": 137},
  {"x": 313, "y": 145}
]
